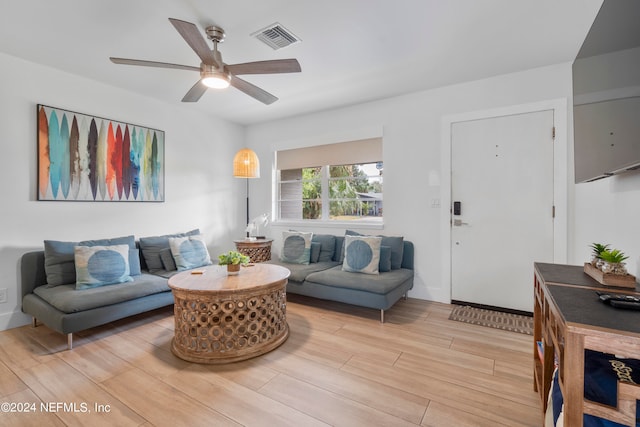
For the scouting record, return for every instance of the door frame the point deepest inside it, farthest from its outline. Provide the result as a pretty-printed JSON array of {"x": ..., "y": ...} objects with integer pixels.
[{"x": 560, "y": 177}]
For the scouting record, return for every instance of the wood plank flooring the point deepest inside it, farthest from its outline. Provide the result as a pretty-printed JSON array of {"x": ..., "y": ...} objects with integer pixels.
[{"x": 340, "y": 367}]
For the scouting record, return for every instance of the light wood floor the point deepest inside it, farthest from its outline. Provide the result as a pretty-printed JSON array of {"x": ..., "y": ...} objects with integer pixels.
[{"x": 339, "y": 367}]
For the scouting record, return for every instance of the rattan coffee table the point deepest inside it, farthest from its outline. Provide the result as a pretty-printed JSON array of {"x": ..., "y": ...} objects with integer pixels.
[{"x": 222, "y": 319}]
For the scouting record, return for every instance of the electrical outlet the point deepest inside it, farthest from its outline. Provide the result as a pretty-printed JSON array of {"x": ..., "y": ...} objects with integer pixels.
[{"x": 3, "y": 295}]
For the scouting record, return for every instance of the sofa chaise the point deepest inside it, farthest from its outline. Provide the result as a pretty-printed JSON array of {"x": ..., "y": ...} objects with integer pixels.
[
  {"x": 324, "y": 277},
  {"x": 51, "y": 295}
]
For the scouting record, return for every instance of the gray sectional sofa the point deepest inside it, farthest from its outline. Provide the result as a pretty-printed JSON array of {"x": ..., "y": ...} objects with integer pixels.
[
  {"x": 325, "y": 278},
  {"x": 50, "y": 296}
]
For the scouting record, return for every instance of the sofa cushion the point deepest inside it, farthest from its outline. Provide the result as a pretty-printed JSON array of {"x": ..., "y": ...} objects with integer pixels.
[
  {"x": 59, "y": 258},
  {"x": 189, "y": 252},
  {"x": 338, "y": 254},
  {"x": 135, "y": 268},
  {"x": 164, "y": 273},
  {"x": 315, "y": 251},
  {"x": 396, "y": 243},
  {"x": 362, "y": 254},
  {"x": 300, "y": 271},
  {"x": 385, "y": 259},
  {"x": 328, "y": 246},
  {"x": 152, "y": 246},
  {"x": 378, "y": 284},
  {"x": 296, "y": 247},
  {"x": 68, "y": 299},
  {"x": 101, "y": 265},
  {"x": 168, "y": 262}
]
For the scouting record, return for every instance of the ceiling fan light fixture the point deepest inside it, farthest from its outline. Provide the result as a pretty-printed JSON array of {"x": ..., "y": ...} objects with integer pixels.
[{"x": 216, "y": 79}]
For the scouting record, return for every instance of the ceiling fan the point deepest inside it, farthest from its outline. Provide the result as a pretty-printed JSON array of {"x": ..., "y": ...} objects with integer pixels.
[{"x": 213, "y": 72}]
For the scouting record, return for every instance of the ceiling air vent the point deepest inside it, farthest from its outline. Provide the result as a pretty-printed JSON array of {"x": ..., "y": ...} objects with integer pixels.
[{"x": 276, "y": 36}]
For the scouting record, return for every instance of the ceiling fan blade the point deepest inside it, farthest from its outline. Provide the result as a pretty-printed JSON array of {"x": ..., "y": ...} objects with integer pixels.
[
  {"x": 143, "y": 63},
  {"x": 253, "y": 90},
  {"x": 192, "y": 36},
  {"x": 195, "y": 93},
  {"x": 266, "y": 67}
]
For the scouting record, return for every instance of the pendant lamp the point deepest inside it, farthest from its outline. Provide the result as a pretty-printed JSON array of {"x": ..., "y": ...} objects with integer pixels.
[{"x": 246, "y": 165}]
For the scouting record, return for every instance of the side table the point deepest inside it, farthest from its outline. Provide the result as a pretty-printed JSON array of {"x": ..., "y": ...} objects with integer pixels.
[{"x": 259, "y": 250}]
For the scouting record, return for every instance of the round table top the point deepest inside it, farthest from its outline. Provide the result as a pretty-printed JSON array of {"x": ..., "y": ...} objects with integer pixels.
[
  {"x": 214, "y": 278},
  {"x": 253, "y": 240}
]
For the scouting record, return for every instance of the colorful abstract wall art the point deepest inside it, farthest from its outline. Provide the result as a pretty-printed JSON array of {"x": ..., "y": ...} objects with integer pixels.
[{"x": 86, "y": 158}]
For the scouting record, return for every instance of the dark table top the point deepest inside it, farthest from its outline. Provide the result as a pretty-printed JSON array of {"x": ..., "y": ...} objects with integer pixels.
[
  {"x": 582, "y": 305},
  {"x": 574, "y": 293},
  {"x": 574, "y": 275}
]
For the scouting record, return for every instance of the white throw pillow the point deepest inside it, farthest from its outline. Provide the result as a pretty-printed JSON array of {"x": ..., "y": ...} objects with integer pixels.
[{"x": 362, "y": 254}]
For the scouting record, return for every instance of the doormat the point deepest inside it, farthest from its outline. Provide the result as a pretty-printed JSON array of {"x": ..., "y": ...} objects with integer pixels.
[{"x": 493, "y": 319}]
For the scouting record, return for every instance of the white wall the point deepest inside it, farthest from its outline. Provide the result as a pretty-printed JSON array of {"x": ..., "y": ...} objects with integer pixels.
[
  {"x": 411, "y": 127},
  {"x": 200, "y": 190},
  {"x": 608, "y": 211}
]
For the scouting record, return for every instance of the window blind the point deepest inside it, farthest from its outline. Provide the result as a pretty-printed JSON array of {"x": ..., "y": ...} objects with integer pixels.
[{"x": 342, "y": 153}]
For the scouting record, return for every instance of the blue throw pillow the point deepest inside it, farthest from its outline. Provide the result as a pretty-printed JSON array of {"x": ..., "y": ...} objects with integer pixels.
[
  {"x": 189, "y": 252},
  {"x": 362, "y": 254},
  {"x": 296, "y": 247},
  {"x": 316, "y": 247},
  {"x": 396, "y": 243},
  {"x": 385, "y": 259},
  {"x": 101, "y": 265},
  {"x": 167, "y": 260},
  {"x": 152, "y": 246},
  {"x": 328, "y": 246},
  {"x": 59, "y": 258}
]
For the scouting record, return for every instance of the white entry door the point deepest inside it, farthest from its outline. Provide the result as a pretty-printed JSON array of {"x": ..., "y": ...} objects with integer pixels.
[{"x": 502, "y": 175}]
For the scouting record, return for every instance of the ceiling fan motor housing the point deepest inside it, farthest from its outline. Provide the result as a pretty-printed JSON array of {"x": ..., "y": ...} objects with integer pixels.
[{"x": 215, "y": 34}]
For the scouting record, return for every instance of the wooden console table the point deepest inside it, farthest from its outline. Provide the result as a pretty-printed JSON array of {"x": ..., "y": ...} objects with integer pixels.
[
  {"x": 258, "y": 250},
  {"x": 569, "y": 318},
  {"x": 221, "y": 318}
]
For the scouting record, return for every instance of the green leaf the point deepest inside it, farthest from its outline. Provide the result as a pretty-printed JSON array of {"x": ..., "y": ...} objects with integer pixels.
[
  {"x": 598, "y": 248},
  {"x": 613, "y": 256}
]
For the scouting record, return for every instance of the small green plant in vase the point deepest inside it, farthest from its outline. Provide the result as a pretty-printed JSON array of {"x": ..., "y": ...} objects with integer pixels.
[
  {"x": 597, "y": 249},
  {"x": 614, "y": 261},
  {"x": 233, "y": 260}
]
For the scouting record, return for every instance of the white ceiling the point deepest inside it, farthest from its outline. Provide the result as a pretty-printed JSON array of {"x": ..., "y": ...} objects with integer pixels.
[{"x": 352, "y": 51}]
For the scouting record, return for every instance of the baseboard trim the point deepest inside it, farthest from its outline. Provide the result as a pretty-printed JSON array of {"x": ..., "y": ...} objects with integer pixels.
[
  {"x": 13, "y": 319},
  {"x": 493, "y": 308}
]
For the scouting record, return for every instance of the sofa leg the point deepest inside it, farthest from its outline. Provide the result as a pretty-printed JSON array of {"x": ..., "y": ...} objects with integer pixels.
[
  {"x": 404, "y": 297},
  {"x": 35, "y": 322},
  {"x": 69, "y": 341},
  {"x": 381, "y": 316}
]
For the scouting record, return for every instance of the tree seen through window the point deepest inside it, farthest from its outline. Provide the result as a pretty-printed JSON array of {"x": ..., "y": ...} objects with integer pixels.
[{"x": 351, "y": 191}]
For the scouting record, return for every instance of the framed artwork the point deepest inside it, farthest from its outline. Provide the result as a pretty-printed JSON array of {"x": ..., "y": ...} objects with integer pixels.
[{"x": 87, "y": 158}]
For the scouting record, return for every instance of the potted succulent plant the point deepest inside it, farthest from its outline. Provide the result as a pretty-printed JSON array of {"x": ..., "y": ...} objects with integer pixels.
[
  {"x": 608, "y": 268},
  {"x": 233, "y": 260},
  {"x": 613, "y": 261}
]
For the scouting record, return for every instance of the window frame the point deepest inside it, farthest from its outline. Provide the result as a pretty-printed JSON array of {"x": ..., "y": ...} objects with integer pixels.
[{"x": 324, "y": 220}]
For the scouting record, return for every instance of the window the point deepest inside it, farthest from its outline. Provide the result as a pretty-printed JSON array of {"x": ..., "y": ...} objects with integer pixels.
[{"x": 333, "y": 191}]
